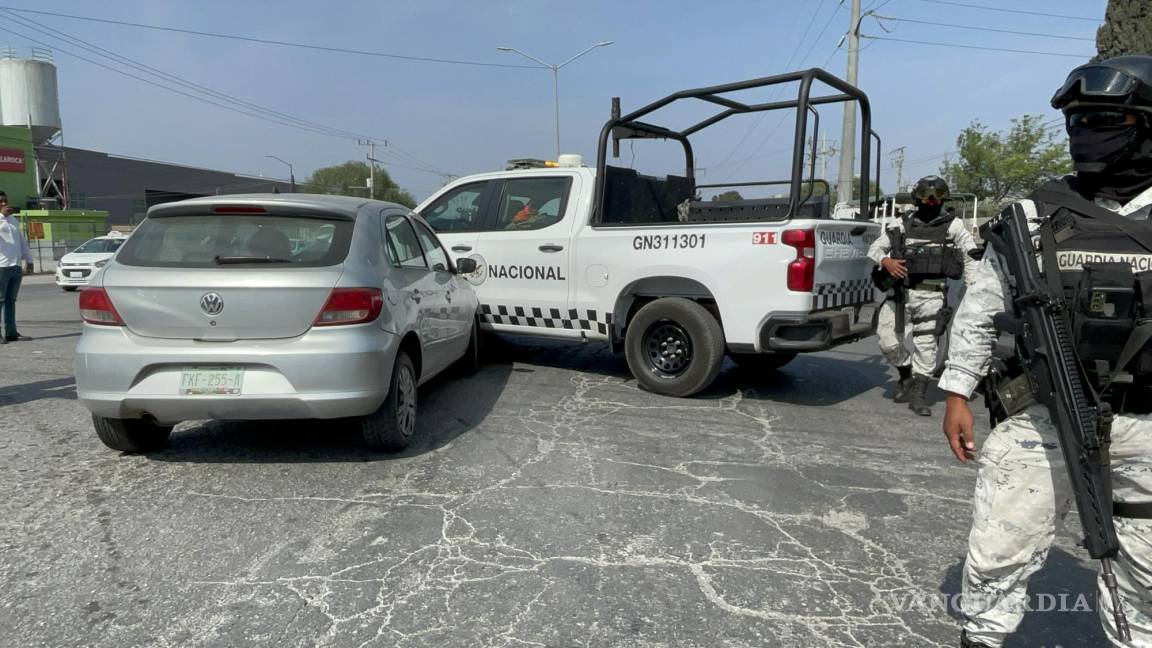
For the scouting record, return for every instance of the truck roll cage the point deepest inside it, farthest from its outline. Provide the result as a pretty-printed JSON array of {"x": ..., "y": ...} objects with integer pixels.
[{"x": 630, "y": 126}]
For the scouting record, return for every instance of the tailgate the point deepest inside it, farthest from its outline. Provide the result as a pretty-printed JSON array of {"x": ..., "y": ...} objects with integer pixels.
[{"x": 843, "y": 269}]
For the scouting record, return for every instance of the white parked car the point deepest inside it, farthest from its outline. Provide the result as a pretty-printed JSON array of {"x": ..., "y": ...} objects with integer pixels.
[{"x": 76, "y": 268}]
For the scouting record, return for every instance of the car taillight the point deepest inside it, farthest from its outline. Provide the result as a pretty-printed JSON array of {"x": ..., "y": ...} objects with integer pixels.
[
  {"x": 802, "y": 271},
  {"x": 351, "y": 306},
  {"x": 96, "y": 308}
]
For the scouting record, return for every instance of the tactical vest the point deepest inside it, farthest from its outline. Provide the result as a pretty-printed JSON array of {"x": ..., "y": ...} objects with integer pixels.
[
  {"x": 929, "y": 253},
  {"x": 1105, "y": 265}
]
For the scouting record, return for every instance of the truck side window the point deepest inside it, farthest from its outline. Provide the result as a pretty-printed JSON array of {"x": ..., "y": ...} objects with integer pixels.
[
  {"x": 433, "y": 251},
  {"x": 458, "y": 210},
  {"x": 532, "y": 203},
  {"x": 402, "y": 245}
]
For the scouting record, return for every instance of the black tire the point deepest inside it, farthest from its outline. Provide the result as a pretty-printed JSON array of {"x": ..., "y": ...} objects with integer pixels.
[
  {"x": 131, "y": 435},
  {"x": 674, "y": 347},
  {"x": 69, "y": 288},
  {"x": 761, "y": 362},
  {"x": 471, "y": 361},
  {"x": 393, "y": 425}
]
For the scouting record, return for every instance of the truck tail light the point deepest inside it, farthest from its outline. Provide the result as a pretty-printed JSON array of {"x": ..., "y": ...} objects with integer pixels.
[
  {"x": 801, "y": 271},
  {"x": 351, "y": 306},
  {"x": 96, "y": 308}
]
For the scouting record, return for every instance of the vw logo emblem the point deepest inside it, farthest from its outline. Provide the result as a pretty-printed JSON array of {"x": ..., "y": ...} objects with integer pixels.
[{"x": 212, "y": 304}]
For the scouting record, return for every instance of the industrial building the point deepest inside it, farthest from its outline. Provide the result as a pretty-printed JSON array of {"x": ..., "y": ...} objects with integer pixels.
[{"x": 68, "y": 195}]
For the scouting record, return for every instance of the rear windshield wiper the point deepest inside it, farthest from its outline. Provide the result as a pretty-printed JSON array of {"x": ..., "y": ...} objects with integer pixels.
[{"x": 226, "y": 260}]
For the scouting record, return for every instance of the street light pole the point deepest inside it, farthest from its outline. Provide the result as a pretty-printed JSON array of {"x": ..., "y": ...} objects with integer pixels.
[
  {"x": 291, "y": 172},
  {"x": 555, "y": 78}
]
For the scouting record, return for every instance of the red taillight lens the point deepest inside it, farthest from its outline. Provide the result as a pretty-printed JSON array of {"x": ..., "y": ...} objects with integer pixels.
[
  {"x": 96, "y": 308},
  {"x": 802, "y": 271},
  {"x": 351, "y": 306}
]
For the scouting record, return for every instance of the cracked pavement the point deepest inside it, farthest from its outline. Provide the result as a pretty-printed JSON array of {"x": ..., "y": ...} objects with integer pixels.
[{"x": 548, "y": 502}]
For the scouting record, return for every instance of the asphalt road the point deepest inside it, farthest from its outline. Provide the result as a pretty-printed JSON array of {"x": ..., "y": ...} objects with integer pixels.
[{"x": 548, "y": 502}]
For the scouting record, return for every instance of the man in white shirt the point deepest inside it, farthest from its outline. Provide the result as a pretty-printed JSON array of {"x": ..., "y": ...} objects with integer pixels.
[{"x": 13, "y": 250}]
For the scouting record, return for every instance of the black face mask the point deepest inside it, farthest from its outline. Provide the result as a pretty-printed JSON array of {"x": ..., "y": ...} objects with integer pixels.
[
  {"x": 928, "y": 213},
  {"x": 1112, "y": 161}
]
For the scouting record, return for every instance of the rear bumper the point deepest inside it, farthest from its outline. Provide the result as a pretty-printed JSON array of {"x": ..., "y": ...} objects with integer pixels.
[
  {"x": 325, "y": 373},
  {"x": 817, "y": 331}
]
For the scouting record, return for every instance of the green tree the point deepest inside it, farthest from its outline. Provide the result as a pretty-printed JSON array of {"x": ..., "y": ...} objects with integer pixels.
[
  {"x": 1127, "y": 29},
  {"x": 1003, "y": 166},
  {"x": 728, "y": 195},
  {"x": 351, "y": 179}
]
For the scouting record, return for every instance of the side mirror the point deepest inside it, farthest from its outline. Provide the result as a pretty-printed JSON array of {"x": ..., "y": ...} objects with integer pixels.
[{"x": 466, "y": 266}]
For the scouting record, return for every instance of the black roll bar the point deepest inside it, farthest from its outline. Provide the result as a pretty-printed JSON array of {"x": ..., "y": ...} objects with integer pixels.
[{"x": 628, "y": 126}]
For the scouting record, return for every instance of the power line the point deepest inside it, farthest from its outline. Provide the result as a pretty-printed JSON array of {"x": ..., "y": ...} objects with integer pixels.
[
  {"x": 776, "y": 128},
  {"x": 266, "y": 41},
  {"x": 987, "y": 29},
  {"x": 760, "y": 119},
  {"x": 1015, "y": 11},
  {"x": 976, "y": 47},
  {"x": 266, "y": 114}
]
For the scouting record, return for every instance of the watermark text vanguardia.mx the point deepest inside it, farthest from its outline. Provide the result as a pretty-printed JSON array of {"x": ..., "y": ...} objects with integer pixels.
[{"x": 897, "y": 602}]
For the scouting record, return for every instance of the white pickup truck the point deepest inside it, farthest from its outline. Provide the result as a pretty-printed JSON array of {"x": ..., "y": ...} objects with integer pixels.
[{"x": 641, "y": 263}]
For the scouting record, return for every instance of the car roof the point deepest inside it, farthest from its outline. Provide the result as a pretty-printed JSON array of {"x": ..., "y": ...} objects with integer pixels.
[{"x": 347, "y": 205}]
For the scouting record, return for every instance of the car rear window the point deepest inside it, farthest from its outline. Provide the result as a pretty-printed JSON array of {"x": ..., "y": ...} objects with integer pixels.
[{"x": 218, "y": 240}]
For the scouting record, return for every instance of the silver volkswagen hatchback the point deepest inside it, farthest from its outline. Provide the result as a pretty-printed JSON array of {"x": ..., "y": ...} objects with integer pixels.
[{"x": 271, "y": 307}]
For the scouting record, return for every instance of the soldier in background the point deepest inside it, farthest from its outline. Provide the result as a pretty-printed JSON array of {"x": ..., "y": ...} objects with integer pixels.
[{"x": 937, "y": 248}]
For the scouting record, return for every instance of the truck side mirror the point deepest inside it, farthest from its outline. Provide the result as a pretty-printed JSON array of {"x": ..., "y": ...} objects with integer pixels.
[{"x": 466, "y": 266}]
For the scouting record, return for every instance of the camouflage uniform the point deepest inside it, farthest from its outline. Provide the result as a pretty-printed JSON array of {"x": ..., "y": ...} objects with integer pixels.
[
  {"x": 921, "y": 303},
  {"x": 1022, "y": 486}
]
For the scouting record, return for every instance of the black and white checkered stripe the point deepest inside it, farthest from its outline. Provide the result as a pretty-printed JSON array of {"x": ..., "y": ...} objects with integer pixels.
[
  {"x": 845, "y": 293},
  {"x": 573, "y": 319}
]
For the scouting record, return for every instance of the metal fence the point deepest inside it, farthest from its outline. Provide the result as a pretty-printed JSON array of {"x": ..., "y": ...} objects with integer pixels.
[{"x": 50, "y": 241}]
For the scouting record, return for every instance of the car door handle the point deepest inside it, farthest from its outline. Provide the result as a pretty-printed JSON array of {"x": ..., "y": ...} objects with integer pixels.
[
  {"x": 551, "y": 248},
  {"x": 461, "y": 248}
]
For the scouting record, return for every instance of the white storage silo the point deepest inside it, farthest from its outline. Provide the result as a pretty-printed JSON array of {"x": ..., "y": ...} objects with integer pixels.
[{"x": 28, "y": 94}]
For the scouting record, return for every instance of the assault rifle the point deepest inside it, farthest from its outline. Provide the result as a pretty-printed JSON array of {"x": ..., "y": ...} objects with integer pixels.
[
  {"x": 886, "y": 282},
  {"x": 1039, "y": 320}
]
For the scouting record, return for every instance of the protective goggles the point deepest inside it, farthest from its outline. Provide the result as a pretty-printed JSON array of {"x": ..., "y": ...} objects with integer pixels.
[
  {"x": 932, "y": 194},
  {"x": 1104, "y": 84}
]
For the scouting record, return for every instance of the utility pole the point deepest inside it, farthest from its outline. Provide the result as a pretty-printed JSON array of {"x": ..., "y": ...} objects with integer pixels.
[
  {"x": 848, "y": 134},
  {"x": 824, "y": 152},
  {"x": 371, "y": 166},
  {"x": 898, "y": 162}
]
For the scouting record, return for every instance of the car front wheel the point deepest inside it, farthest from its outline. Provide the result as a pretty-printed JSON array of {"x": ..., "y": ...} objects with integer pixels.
[
  {"x": 393, "y": 426},
  {"x": 131, "y": 435}
]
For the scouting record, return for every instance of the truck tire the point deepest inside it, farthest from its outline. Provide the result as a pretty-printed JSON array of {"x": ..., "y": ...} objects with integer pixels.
[
  {"x": 674, "y": 347},
  {"x": 131, "y": 435},
  {"x": 393, "y": 425},
  {"x": 761, "y": 362}
]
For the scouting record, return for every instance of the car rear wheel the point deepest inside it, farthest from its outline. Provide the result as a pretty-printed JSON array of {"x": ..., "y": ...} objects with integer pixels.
[
  {"x": 131, "y": 435},
  {"x": 393, "y": 426},
  {"x": 761, "y": 362},
  {"x": 674, "y": 347}
]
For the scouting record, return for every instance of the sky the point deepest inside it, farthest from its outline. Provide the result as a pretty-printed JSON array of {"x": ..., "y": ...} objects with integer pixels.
[{"x": 441, "y": 118}]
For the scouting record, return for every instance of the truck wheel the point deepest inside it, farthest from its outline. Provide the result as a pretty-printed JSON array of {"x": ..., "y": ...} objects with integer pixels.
[
  {"x": 131, "y": 435},
  {"x": 393, "y": 425},
  {"x": 674, "y": 347},
  {"x": 761, "y": 362}
]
